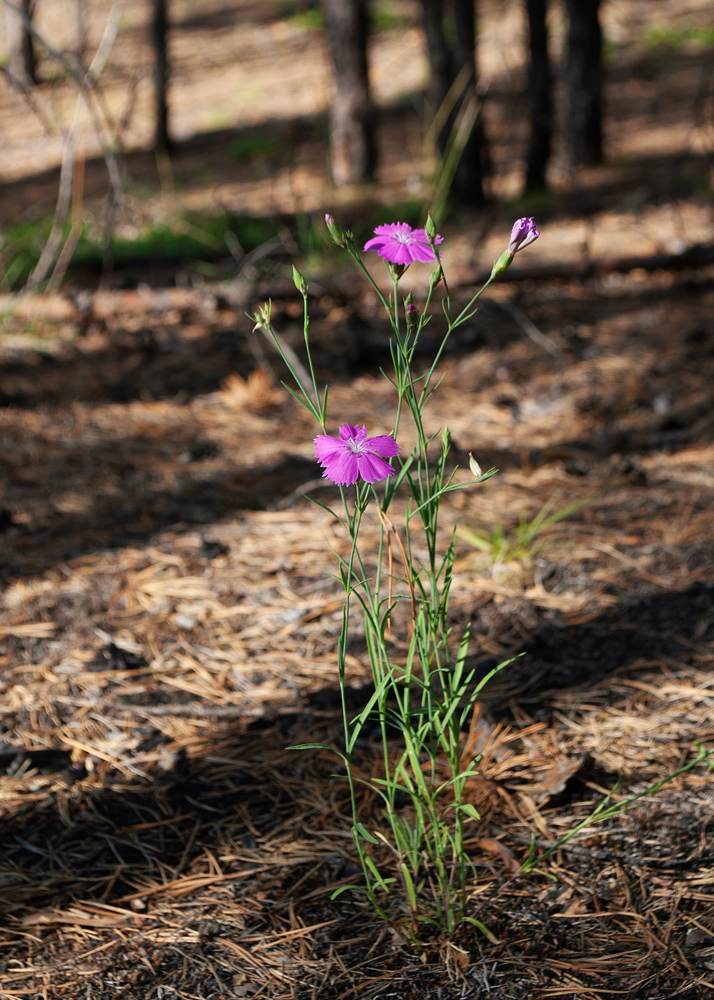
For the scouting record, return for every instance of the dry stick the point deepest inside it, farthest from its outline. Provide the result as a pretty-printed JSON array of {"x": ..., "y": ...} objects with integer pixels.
[
  {"x": 64, "y": 197},
  {"x": 529, "y": 327},
  {"x": 85, "y": 81},
  {"x": 76, "y": 231},
  {"x": 410, "y": 583},
  {"x": 51, "y": 51},
  {"x": 41, "y": 107}
]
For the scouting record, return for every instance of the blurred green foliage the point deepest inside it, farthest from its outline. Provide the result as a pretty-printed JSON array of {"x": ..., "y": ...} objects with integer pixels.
[
  {"x": 311, "y": 18},
  {"x": 197, "y": 240},
  {"x": 255, "y": 146},
  {"x": 678, "y": 38},
  {"x": 194, "y": 237}
]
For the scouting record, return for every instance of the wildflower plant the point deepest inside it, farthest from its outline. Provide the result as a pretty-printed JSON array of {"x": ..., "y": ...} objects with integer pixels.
[{"x": 427, "y": 695}]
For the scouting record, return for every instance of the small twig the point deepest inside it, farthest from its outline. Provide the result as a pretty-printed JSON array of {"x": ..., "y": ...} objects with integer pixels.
[
  {"x": 64, "y": 197},
  {"x": 51, "y": 51},
  {"x": 41, "y": 107},
  {"x": 529, "y": 328},
  {"x": 75, "y": 232},
  {"x": 410, "y": 583}
]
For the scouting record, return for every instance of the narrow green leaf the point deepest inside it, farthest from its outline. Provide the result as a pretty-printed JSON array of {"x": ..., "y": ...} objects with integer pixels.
[
  {"x": 365, "y": 833},
  {"x": 381, "y": 882},
  {"x": 483, "y": 928},
  {"x": 409, "y": 884},
  {"x": 345, "y": 888},
  {"x": 319, "y": 746}
]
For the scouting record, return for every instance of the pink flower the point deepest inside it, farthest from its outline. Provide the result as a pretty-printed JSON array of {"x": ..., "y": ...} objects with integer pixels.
[
  {"x": 524, "y": 232},
  {"x": 398, "y": 243},
  {"x": 353, "y": 454}
]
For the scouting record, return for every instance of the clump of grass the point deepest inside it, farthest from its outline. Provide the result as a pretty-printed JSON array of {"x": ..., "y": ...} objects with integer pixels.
[{"x": 520, "y": 544}]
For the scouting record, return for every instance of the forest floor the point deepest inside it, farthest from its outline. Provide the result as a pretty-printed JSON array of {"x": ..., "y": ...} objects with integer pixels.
[{"x": 168, "y": 623}]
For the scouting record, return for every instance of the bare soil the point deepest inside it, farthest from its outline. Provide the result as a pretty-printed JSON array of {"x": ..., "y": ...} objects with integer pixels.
[{"x": 168, "y": 624}]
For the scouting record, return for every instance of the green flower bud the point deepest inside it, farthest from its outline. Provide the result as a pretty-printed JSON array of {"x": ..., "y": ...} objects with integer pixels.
[
  {"x": 342, "y": 237},
  {"x": 265, "y": 313},
  {"x": 396, "y": 270},
  {"x": 503, "y": 263},
  {"x": 299, "y": 281},
  {"x": 411, "y": 312}
]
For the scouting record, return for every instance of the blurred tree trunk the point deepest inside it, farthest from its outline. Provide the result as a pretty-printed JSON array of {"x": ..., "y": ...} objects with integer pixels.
[
  {"x": 159, "y": 25},
  {"x": 21, "y": 63},
  {"x": 450, "y": 29},
  {"x": 583, "y": 84},
  {"x": 352, "y": 143},
  {"x": 539, "y": 95}
]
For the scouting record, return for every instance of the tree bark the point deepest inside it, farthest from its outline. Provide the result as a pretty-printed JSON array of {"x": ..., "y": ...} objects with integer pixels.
[
  {"x": 539, "y": 96},
  {"x": 159, "y": 26},
  {"x": 21, "y": 65},
  {"x": 440, "y": 60},
  {"x": 450, "y": 29},
  {"x": 583, "y": 84},
  {"x": 352, "y": 142}
]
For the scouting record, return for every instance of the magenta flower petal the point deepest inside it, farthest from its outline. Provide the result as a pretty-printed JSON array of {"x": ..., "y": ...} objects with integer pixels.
[
  {"x": 398, "y": 243},
  {"x": 376, "y": 243},
  {"x": 351, "y": 455},
  {"x": 384, "y": 445},
  {"x": 343, "y": 470},
  {"x": 349, "y": 432},
  {"x": 372, "y": 468},
  {"x": 421, "y": 252}
]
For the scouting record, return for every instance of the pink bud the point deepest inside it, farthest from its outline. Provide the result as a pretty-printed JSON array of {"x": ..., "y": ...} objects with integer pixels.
[{"x": 524, "y": 232}]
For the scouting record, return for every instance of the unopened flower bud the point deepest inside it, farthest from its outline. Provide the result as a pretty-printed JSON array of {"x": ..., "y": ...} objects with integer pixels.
[
  {"x": 264, "y": 314},
  {"x": 502, "y": 264},
  {"x": 411, "y": 312},
  {"x": 524, "y": 232},
  {"x": 474, "y": 466},
  {"x": 339, "y": 236},
  {"x": 299, "y": 281},
  {"x": 396, "y": 270},
  {"x": 446, "y": 440},
  {"x": 430, "y": 228}
]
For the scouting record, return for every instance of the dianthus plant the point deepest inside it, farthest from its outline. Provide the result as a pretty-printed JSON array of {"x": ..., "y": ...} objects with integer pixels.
[
  {"x": 413, "y": 857},
  {"x": 424, "y": 696}
]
